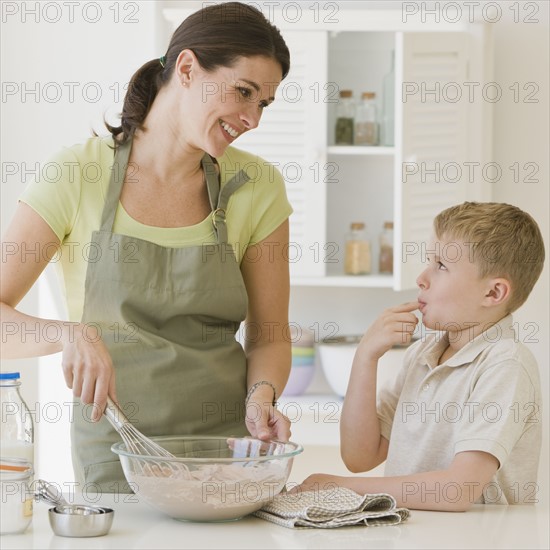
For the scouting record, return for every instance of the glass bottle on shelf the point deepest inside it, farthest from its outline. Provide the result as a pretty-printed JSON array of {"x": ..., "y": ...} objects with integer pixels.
[
  {"x": 345, "y": 118},
  {"x": 385, "y": 259},
  {"x": 388, "y": 105},
  {"x": 366, "y": 120},
  {"x": 358, "y": 251},
  {"x": 16, "y": 429}
]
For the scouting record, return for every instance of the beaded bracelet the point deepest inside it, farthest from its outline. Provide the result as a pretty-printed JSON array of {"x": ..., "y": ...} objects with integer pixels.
[{"x": 255, "y": 386}]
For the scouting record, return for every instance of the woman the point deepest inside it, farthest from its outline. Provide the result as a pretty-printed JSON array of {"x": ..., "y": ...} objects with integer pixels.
[{"x": 167, "y": 248}]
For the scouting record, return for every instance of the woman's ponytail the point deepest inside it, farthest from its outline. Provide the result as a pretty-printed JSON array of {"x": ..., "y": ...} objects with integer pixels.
[{"x": 142, "y": 90}]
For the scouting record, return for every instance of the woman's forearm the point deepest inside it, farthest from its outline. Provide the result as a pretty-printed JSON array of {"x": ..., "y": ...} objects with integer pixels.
[
  {"x": 268, "y": 362},
  {"x": 28, "y": 336}
]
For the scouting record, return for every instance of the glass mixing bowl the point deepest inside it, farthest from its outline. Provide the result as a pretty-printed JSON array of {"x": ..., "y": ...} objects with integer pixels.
[{"x": 210, "y": 478}]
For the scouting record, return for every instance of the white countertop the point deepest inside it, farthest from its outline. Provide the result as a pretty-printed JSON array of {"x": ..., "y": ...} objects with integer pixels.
[{"x": 136, "y": 525}]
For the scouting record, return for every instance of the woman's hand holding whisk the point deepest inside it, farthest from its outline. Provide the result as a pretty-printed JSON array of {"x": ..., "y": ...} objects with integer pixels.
[{"x": 87, "y": 366}]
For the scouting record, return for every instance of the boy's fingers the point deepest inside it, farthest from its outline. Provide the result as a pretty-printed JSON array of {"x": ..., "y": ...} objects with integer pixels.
[{"x": 407, "y": 306}]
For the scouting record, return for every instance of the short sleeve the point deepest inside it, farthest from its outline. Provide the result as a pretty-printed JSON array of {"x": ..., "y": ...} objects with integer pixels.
[
  {"x": 501, "y": 407},
  {"x": 270, "y": 205},
  {"x": 55, "y": 195}
]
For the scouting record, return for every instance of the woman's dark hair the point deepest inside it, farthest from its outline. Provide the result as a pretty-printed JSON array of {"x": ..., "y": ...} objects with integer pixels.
[{"x": 218, "y": 35}]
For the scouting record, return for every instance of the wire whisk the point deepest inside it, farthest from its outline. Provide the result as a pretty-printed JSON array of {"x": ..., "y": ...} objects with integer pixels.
[{"x": 138, "y": 444}]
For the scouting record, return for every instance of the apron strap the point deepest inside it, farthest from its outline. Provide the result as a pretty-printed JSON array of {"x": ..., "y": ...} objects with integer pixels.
[
  {"x": 118, "y": 173},
  {"x": 219, "y": 199},
  {"x": 212, "y": 180}
]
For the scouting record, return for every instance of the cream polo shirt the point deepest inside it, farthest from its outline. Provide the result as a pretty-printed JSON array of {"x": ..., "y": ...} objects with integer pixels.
[
  {"x": 70, "y": 196},
  {"x": 484, "y": 398}
]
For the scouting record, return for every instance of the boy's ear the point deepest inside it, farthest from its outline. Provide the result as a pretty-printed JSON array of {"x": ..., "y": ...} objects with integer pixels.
[{"x": 498, "y": 292}]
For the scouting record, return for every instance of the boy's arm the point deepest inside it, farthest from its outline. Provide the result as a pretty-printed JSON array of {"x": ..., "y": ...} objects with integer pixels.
[
  {"x": 361, "y": 443},
  {"x": 362, "y": 446},
  {"x": 452, "y": 490}
]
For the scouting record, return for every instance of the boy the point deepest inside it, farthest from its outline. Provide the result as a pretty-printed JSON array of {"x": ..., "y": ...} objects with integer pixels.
[{"x": 461, "y": 423}]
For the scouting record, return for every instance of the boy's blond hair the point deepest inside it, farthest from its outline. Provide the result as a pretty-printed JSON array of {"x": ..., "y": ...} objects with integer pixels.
[{"x": 503, "y": 240}]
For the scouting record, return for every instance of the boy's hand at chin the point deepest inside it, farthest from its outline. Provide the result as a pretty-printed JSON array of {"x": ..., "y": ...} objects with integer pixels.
[{"x": 395, "y": 326}]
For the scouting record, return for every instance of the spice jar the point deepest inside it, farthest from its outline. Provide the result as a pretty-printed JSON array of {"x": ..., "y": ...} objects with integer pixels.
[
  {"x": 345, "y": 118},
  {"x": 385, "y": 258},
  {"x": 358, "y": 251},
  {"x": 366, "y": 121}
]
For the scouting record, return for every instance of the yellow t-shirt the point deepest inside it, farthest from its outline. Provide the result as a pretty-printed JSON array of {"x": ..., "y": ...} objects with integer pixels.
[{"x": 71, "y": 192}]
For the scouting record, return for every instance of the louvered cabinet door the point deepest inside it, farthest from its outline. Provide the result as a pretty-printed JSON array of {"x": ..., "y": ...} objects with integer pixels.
[
  {"x": 292, "y": 136},
  {"x": 431, "y": 141}
]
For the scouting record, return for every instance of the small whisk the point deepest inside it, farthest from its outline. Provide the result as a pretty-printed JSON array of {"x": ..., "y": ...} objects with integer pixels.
[{"x": 136, "y": 443}]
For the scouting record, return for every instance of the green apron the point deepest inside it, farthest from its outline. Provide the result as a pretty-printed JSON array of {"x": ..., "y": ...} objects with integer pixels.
[{"x": 168, "y": 317}]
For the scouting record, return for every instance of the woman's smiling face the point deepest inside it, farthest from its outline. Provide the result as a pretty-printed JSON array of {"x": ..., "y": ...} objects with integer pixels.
[{"x": 219, "y": 106}]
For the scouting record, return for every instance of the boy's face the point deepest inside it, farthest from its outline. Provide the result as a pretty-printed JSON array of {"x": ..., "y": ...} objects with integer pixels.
[{"x": 451, "y": 292}]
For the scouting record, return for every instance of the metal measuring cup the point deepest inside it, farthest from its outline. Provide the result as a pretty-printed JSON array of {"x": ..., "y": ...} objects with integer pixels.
[{"x": 73, "y": 520}]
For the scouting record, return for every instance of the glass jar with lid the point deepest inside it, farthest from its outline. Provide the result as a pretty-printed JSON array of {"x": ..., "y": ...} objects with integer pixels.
[
  {"x": 16, "y": 428},
  {"x": 357, "y": 251},
  {"x": 366, "y": 120},
  {"x": 345, "y": 118}
]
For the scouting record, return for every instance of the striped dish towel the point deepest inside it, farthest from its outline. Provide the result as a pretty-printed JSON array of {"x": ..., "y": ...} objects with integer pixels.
[{"x": 329, "y": 508}]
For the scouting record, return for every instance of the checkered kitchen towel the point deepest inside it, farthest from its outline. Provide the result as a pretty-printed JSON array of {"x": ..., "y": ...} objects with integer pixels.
[{"x": 339, "y": 507}]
